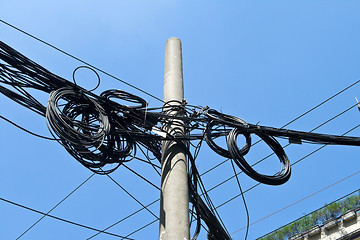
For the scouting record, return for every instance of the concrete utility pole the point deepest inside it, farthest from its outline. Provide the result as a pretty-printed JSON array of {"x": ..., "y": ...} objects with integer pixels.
[{"x": 174, "y": 200}]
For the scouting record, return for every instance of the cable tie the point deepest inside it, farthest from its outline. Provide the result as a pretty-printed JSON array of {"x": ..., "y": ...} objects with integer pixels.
[
  {"x": 203, "y": 110},
  {"x": 358, "y": 103},
  {"x": 159, "y": 132},
  {"x": 198, "y": 113}
]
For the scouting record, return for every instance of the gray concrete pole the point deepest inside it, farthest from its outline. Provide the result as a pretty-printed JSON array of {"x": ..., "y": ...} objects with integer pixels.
[{"x": 174, "y": 200}]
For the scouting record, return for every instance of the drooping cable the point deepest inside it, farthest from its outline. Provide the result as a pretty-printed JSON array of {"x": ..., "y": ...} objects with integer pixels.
[
  {"x": 25, "y": 130},
  {"x": 243, "y": 198}
]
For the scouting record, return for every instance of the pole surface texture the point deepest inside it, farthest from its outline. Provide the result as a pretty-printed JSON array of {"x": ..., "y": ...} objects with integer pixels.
[{"x": 174, "y": 200}]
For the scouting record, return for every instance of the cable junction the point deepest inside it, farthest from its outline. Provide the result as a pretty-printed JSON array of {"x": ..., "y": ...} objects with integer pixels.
[{"x": 104, "y": 131}]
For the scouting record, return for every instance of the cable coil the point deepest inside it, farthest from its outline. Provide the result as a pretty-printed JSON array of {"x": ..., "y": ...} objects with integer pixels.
[{"x": 102, "y": 132}]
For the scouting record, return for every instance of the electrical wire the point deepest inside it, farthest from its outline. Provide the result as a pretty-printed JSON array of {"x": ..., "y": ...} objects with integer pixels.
[
  {"x": 298, "y": 201},
  {"x": 357, "y": 190},
  {"x": 25, "y": 130},
  {"x": 271, "y": 154},
  {"x": 139, "y": 229},
  {"x": 123, "y": 219},
  {"x": 78, "y": 59},
  {"x": 134, "y": 198},
  {"x": 298, "y": 117},
  {"x": 53, "y": 208},
  {"x": 60, "y": 219},
  {"x": 296, "y": 162},
  {"x": 137, "y": 174},
  {"x": 245, "y": 205},
  {"x": 102, "y": 133},
  {"x": 301, "y": 159}
]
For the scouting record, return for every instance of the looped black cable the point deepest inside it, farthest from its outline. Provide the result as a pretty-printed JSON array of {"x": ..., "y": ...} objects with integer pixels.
[
  {"x": 174, "y": 105},
  {"x": 80, "y": 121},
  {"x": 97, "y": 75},
  {"x": 119, "y": 94},
  {"x": 211, "y": 133},
  {"x": 101, "y": 133},
  {"x": 219, "y": 126},
  {"x": 230, "y": 120},
  {"x": 231, "y": 127},
  {"x": 236, "y": 154},
  {"x": 84, "y": 129}
]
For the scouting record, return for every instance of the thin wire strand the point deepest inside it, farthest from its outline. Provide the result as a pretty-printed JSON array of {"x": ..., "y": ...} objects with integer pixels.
[
  {"x": 295, "y": 119},
  {"x": 257, "y": 183},
  {"x": 60, "y": 219},
  {"x": 298, "y": 201},
  {"x": 140, "y": 89},
  {"x": 123, "y": 219},
  {"x": 245, "y": 205},
  {"x": 301, "y": 159},
  {"x": 137, "y": 174},
  {"x": 271, "y": 154},
  {"x": 33, "y": 225},
  {"x": 139, "y": 229},
  {"x": 311, "y": 213},
  {"x": 132, "y": 196},
  {"x": 25, "y": 130},
  {"x": 78, "y": 59}
]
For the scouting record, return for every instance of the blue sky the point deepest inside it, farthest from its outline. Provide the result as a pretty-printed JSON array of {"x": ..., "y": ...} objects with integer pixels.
[{"x": 267, "y": 61}]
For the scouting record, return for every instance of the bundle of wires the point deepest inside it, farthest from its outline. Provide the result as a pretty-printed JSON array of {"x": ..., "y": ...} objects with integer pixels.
[
  {"x": 102, "y": 132},
  {"x": 83, "y": 128},
  {"x": 232, "y": 127},
  {"x": 95, "y": 130}
]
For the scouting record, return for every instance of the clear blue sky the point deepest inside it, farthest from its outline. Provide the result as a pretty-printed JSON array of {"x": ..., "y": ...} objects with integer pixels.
[{"x": 266, "y": 61}]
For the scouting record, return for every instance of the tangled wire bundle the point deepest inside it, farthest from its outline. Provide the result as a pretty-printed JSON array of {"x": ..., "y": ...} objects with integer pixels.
[
  {"x": 102, "y": 132},
  {"x": 232, "y": 127}
]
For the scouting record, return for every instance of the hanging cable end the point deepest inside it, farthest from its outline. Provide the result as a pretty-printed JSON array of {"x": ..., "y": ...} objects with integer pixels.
[{"x": 358, "y": 103}]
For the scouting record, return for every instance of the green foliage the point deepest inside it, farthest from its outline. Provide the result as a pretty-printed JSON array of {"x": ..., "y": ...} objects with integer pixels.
[
  {"x": 330, "y": 211},
  {"x": 350, "y": 203},
  {"x": 318, "y": 217}
]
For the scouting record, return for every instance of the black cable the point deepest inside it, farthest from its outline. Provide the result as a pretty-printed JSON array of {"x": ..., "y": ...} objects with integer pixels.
[
  {"x": 310, "y": 213},
  {"x": 139, "y": 210},
  {"x": 239, "y": 126},
  {"x": 60, "y": 219},
  {"x": 139, "y": 229},
  {"x": 146, "y": 161},
  {"x": 323, "y": 102},
  {"x": 33, "y": 225},
  {"x": 271, "y": 154},
  {"x": 86, "y": 142},
  {"x": 296, "y": 162},
  {"x": 277, "y": 179},
  {"x": 300, "y": 116},
  {"x": 243, "y": 198},
  {"x": 302, "y": 199},
  {"x": 249, "y": 189},
  {"x": 25, "y": 130},
  {"x": 123, "y": 219},
  {"x": 102, "y": 134},
  {"x": 134, "y": 198},
  {"x": 216, "y": 228},
  {"x": 78, "y": 59},
  {"x": 137, "y": 174}
]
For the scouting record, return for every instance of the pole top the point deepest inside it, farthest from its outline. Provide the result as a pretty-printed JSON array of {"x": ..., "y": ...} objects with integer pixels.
[{"x": 173, "y": 39}]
